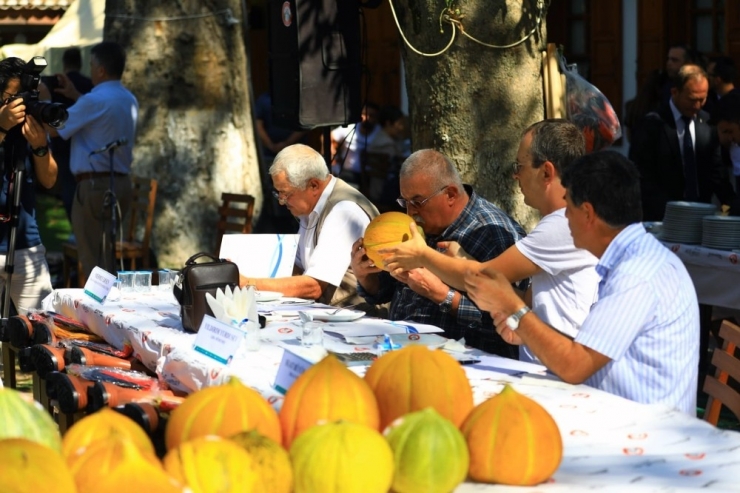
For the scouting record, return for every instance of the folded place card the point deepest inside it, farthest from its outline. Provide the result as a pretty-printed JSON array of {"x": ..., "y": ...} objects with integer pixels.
[
  {"x": 99, "y": 284},
  {"x": 268, "y": 255}
]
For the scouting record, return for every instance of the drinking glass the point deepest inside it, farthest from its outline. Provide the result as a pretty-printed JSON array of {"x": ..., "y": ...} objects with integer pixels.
[
  {"x": 312, "y": 334},
  {"x": 115, "y": 292},
  {"x": 127, "y": 281},
  {"x": 166, "y": 279},
  {"x": 142, "y": 281}
]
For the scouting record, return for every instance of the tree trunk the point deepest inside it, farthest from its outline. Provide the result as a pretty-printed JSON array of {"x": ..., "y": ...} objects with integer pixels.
[
  {"x": 472, "y": 102},
  {"x": 187, "y": 66}
]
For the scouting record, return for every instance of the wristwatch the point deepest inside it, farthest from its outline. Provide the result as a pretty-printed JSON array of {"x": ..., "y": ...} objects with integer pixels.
[
  {"x": 512, "y": 321},
  {"x": 40, "y": 151},
  {"x": 446, "y": 305}
]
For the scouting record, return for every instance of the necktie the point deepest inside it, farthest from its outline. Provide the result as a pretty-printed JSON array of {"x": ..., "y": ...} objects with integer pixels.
[{"x": 691, "y": 191}]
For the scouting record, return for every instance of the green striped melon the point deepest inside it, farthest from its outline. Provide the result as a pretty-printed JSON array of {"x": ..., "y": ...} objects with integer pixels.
[
  {"x": 430, "y": 453},
  {"x": 21, "y": 417}
]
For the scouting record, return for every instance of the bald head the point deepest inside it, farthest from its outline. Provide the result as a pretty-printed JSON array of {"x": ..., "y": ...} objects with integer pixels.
[{"x": 300, "y": 163}]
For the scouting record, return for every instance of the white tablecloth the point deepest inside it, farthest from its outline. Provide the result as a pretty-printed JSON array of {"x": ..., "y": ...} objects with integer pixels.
[
  {"x": 611, "y": 444},
  {"x": 716, "y": 274}
]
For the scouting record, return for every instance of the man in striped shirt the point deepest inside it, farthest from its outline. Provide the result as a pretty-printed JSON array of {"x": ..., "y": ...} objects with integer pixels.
[{"x": 641, "y": 339}]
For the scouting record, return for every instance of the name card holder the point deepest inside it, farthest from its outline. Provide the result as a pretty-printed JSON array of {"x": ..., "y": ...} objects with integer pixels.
[
  {"x": 291, "y": 367},
  {"x": 217, "y": 340},
  {"x": 99, "y": 284}
]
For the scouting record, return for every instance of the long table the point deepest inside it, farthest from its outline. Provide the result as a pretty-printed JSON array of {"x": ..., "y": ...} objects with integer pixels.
[
  {"x": 611, "y": 443},
  {"x": 715, "y": 273}
]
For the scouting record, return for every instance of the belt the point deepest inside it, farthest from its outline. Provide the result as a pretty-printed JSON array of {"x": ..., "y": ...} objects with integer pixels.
[{"x": 95, "y": 174}]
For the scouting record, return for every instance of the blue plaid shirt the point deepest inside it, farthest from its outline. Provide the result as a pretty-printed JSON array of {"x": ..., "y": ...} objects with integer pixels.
[{"x": 484, "y": 231}]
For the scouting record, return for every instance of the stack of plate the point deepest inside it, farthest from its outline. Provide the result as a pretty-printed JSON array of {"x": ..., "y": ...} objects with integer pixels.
[
  {"x": 683, "y": 221},
  {"x": 721, "y": 232}
]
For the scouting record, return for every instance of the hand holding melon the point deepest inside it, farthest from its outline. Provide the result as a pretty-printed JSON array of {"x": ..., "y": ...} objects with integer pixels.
[{"x": 384, "y": 236}]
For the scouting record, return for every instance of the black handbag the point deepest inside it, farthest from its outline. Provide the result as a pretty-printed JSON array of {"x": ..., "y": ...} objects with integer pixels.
[{"x": 198, "y": 278}]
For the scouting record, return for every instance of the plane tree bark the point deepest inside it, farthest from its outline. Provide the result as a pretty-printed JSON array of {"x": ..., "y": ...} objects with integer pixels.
[
  {"x": 472, "y": 102},
  {"x": 187, "y": 66}
]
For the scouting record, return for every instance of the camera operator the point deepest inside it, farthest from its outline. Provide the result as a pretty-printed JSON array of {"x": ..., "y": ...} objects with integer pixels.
[
  {"x": 106, "y": 115},
  {"x": 24, "y": 145},
  {"x": 70, "y": 76}
]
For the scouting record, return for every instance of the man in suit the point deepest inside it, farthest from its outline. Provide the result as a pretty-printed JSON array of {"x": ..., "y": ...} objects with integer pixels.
[{"x": 677, "y": 152}]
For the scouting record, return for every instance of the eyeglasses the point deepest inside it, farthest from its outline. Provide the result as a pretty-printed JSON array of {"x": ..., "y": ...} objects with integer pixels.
[
  {"x": 282, "y": 197},
  {"x": 418, "y": 204}
]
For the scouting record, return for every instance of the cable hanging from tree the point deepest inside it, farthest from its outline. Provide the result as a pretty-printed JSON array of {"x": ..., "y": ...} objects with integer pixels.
[{"x": 453, "y": 16}]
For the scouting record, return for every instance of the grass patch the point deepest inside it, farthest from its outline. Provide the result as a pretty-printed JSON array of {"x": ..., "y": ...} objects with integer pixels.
[{"x": 54, "y": 227}]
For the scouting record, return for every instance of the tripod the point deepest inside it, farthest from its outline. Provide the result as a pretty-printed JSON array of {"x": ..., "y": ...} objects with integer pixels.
[
  {"x": 19, "y": 165},
  {"x": 107, "y": 253},
  {"x": 108, "y": 246}
]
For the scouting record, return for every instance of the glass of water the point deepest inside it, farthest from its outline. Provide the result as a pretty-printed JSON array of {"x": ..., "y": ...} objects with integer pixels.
[
  {"x": 127, "y": 281},
  {"x": 312, "y": 334},
  {"x": 142, "y": 281},
  {"x": 166, "y": 279}
]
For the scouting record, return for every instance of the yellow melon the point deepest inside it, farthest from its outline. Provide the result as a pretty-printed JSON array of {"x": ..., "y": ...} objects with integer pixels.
[{"x": 387, "y": 229}]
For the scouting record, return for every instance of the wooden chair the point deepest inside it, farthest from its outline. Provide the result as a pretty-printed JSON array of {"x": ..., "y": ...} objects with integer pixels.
[
  {"x": 129, "y": 247},
  {"x": 234, "y": 215},
  {"x": 720, "y": 391}
]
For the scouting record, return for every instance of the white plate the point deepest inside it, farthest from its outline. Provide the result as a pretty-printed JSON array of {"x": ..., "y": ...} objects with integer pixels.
[
  {"x": 340, "y": 316},
  {"x": 263, "y": 296}
]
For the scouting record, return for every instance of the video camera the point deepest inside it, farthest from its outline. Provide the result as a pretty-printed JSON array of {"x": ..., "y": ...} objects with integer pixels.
[{"x": 53, "y": 114}]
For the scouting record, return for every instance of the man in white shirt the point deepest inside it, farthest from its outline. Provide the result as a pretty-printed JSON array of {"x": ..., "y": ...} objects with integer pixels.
[
  {"x": 332, "y": 216},
  {"x": 564, "y": 282},
  {"x": 641, "y": 339}
]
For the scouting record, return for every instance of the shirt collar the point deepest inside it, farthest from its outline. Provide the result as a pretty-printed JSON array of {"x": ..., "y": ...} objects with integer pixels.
[
  {"x": 677, "y": 116},
  {"x": 615, "y": 251},
  {"x": 472, "y": 197},
  {"x": 106, "y": 83}
]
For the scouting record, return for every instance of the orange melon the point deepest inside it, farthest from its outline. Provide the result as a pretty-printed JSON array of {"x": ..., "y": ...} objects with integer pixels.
[
  {"x": 328, "y": 391},
  {"x": 222, "y": 410},
  {"x": 512, "y": 440},
  {"x": 417, "y": 377},
  {"x": 387, "y": 229}
]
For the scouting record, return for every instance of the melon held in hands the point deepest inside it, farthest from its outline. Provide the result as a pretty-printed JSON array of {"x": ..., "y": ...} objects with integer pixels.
[{"x": 385, "y": 230}]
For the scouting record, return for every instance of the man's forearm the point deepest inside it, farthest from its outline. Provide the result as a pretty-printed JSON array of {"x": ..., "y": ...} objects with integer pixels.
[
  {"x": 297, "y": 286},
  {"x": 450, "y": 270},
  {"x": 569, "y": 360},
  {"x": 46, "y": 169}
]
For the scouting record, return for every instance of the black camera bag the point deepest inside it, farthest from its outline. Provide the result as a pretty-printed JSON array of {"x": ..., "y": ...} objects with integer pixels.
[{"x": 198, "y": 278}]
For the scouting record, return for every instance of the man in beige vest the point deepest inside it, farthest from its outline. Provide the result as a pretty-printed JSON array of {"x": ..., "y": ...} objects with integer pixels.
[{"x": 332, "y": 216}]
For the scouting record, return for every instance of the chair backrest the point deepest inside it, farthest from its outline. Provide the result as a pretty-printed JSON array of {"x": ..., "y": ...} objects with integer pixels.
[
  {"x": 234, "y": 215},
  {"x": 722, "y": 387},
  {"x": 143, "y": 198}
]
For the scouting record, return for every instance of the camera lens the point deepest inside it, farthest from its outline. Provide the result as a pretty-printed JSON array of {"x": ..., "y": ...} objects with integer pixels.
[{"x": 53, "y": 114}]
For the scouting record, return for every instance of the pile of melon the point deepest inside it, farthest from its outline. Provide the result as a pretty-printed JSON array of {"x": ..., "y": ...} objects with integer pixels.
[{"x": 408, "y": 426}]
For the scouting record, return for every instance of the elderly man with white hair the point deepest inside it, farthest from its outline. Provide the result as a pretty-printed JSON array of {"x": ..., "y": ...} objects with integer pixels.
[{"x": 332, "y": 216}]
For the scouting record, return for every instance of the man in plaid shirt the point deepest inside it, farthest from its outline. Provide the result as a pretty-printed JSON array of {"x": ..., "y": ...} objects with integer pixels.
[{"x": 433, "y": 194}]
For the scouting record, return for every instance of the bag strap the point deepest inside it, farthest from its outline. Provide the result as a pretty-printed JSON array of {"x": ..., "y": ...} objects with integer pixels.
[{"x": 192, "y": 260}]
